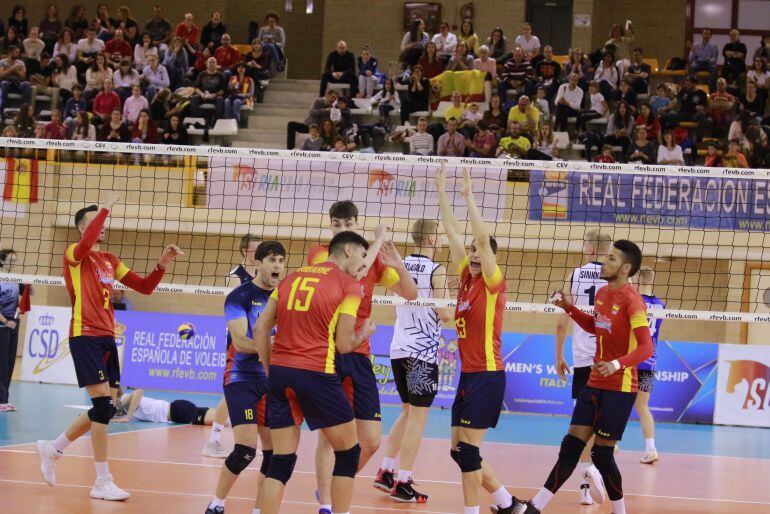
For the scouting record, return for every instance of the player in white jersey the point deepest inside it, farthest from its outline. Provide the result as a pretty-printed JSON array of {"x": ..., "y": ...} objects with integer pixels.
[
  {"x": 583, "y": 283},
  {"x": 414, "y": 357},
  {"x": 135, "y": 406}
]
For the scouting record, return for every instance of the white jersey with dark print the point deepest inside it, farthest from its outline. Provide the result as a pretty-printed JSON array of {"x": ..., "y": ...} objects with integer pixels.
[
  {"x": 150, "y": 409},
  {"x": 585, "y": 284}
]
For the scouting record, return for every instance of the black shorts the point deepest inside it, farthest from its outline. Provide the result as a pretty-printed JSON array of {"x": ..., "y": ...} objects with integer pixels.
[
  {"x": 416, "y": 381},
  {"x": 96, "y": 360},
  {"x": 479, "y": 399},
  {"x": 606, "y": 411},
  {"x": 295, "y": 394},
  {"x": 183, "y": 411},
  {"x": 360, "y": 385},
  {"x": 646, "y": 379},
  {"x": 246, "y": 402},
  {"x": 580, "y": 379}
]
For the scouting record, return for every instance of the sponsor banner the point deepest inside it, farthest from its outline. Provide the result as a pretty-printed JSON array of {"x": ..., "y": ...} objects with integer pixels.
[
  {"x": 727, "y": 203},
  {"x": 743, "y": 386},
  {"x": 307, "y": 186}
]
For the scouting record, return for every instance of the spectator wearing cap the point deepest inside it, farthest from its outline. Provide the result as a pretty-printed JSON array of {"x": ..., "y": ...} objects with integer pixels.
[{"x": 340, "y": 69}]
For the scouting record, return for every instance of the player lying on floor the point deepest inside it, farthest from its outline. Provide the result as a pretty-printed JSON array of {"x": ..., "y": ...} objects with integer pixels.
[{"x": 135, "y": 406}]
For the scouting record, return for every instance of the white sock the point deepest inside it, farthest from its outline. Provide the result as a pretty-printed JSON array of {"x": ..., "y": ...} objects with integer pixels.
[
  {"x": 388, "y": 464},
  {"x": 216, "y": 432},
  {"x": 619, "y": 507},
  {"x": 404, "y": 475},
  {"x": 584, "y": 467},
  {"x": 348, "y": 512},
  {"x": 255, "y": 511},
  {"x": 102, "y": 469},
  {"x": 471, "y": 510},
  {"x": 502, "y": 498},
  {"x": 649, "y": 444},
  {"x": 542, "y": 498},
  {"x": 61, "y": 442},
  {"x": 327, "y": 507},
  {"x": 216, "y": 502}
]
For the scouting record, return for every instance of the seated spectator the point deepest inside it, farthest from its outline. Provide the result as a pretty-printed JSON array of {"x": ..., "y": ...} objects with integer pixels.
[
  {"x": 161, "y": 108},
  {"x": 470, "y": 120},
  {"x": 546, "y": 74},
  {"x": 189, "y": 33},
  {"x": 516, "y": 74},
  {"x": 105, "y": 102},
  {"x": 314, "y": 142},
  {"x": 689, "y": 105},
  {"x": 328, "y": 134},
  {"x": 100, "y": 32},
  {"x": 133, "y": 105},
  {"x": 445, "y": 42},
  {"x": 485, "y": 63},
  {"x": 155, "y": 77},
  {"x": 143, "y": 51},
  {"x": 128, "y": 24},
  {"x": 703, "y": 57},
  {"x": 343, "y": 122},
  {"x": 273, "y": 39},
  {"x": 451, "y": 143},
  {"x": 526, "y": 115},
  {"x": 529, "y": 43},
  {"x": 257, "y": 63},
  {"x": 319, "y": 111},
  {"x": 606, "y": 155},
  {"x": 212, "y": 32},
  {"x": 721, "y": 107},
  {"x": 569, "y": 100},
  {"x": 24, "y": 122},
  {"x": 159, "y": 29},
  {"x": 661, "y": 98},
  {"x": 495, "y": 117},
  {"x": 210, "y": 88},
  {"x": 620, "y": 127},
  {"x": 9, "y": 131},
  {"x": 626, "y": 93},
  {"x": 118, "y": 48},
  {"x": 75, "y": 104},
  {"x": 734, "y": 158},
  {"x": 227, "y": 56},
  {"x": 88, "y": 48},
  {"x": 734, "y": 53},
  {"x": 144, "y": 131},
  {"x": 713, "y": 157},
  {"x": 622, "y": 39},
  {"x": 338, "y": 145},
  {"x": 82, "y": 128},
  {"x": 114, "y": 129},
  {"x": 760, "y": 76},
  {"x": 367, "y": 73},
  {"x": 40, "y": 77},
  {"x": 200, "y": 59},
  {"x": 638, "y": 73},
  {"x": 13, "y": 77},
  {"x": 108, "y": 25},
  {"x": 739, "y": 128},
  {"x": 421, "y": 143},
  {"x": 39, "y": 131},
  {"x": 468, "y": 36},
  {"x": 76, "y": 21},
  {"x": 498, "y": 46},
  {"x": 33, "y": 48},
  {"x": 340, "y": 69},
  {"x": 240, "y": 92},
  {"x": 642, "y": 150},
  {"x": 430, "y": 63},
  {"x": 66, "y": 46},
  {"x": 514, "y": 144},
  {"x": 96, "y": 74},
  {"x": 18, "y": 21},
  {"x": 764, "y": 48},
  {"x": 761, "y": 151},
  {"x": 413, "y": 44},
  {"x": 598, "y": 107},
  {"x": 461, "y": 59},
  {"x": 669, "y": 152},
  {"x": 457, "y": 107},
  {"x": 540, "y": 102},
  {"x": 175, "y": 133},
  {"x": 546, "y": 147},
  {"x": 386, "y": 100},
  {"x": 483, "y": 143},
  {"x": 176, "y": 63},
  {"x": 607, "y": 76},
  {"x": 578, "y": 63},
  {"x": 50, "y": 27},
  {"x": 55, "y": 129},
  {"x": 64, "y": 77},
  {"x": 752, "y": 101},
  {"x": 417, "y": 95},
  {"x": 650, "y": 123},
  {"x": 124, "y": 79}
]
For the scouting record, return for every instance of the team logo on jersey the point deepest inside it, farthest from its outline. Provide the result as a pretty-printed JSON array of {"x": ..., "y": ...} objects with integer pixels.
[
  {"x": 463, "y": 306},
  {"x": 604, "y": 322},
  {"x": 615, "y": 309},
  {"x": 599, "y": 302},
  {"x": 105, "y": 277}
]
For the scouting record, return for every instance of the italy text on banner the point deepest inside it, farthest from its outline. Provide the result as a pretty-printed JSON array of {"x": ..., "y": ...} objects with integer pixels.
[
  {"x": 46, "y": 356},
  {"x": 20, "y": 186},
  {"x": 387, "y": 190},
  {"x": 743, "y": 386},
  {"x": 653, "y": 200}
]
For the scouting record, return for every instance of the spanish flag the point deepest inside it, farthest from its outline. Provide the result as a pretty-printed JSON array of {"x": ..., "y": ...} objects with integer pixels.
[
  {"x": 470, "y": 83},
  {"x": 21, "y": 180}
]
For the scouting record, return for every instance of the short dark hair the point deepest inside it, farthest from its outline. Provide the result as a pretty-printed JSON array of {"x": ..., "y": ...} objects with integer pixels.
[
  {"x": 343, "y": 210},
  {"x": 493, "y": 244},
  {"x": 4, "y": 254},
  {"x": 339, "y": 241},
  {"x": 632, "y": 254},
  {"x": 82, "y": 213},
  {"x": 248, "y": 238},
  {"x": 268, "y": 248}
]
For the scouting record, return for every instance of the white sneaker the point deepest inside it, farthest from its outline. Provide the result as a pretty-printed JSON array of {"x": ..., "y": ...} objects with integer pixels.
[
  {"x": 105, "y": 489},
  {"x": 595, "y": 484},
  {"x": 48, "y": 457},
  {"x": 585, "y": 495},
  {"x": 649, "y": 457},
  {"x": 215, "y": 450}
]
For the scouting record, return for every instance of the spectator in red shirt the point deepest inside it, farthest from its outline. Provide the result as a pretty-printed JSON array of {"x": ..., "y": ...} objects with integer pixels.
[
  {"x": 55, "y": 129},
  {"x": 484, "y": 142},
  {"x": 227, "y": 56},
  {"x": 190, "y": 33},
  {"x": 118, "y": 48},
  {"x": 105, "y": 102},
  {"x": 144, "y": 131},
  {"x": 650, "y": 122},
  {"x": 721, "y": 107}
]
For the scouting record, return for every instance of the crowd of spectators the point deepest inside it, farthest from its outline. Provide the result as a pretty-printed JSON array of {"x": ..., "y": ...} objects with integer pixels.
[{"x": 116, "y": 79}]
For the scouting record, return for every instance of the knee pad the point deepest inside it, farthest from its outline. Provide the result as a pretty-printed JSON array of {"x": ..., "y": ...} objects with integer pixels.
[
  {"x": 103, "y": 410},
  {"x": 603, "y": 458},
  {"x": 571, "y": 448},
  {"x": 602, "y": 455},
  {"x": 455, "y": 455},
  {"x": 468, "y": 457},
  {"x": 267, "y": 456},
  {"x": 240, "y": 458},
  {"x": 281, "y": 467},
  {"x": 346, "y": 462}
]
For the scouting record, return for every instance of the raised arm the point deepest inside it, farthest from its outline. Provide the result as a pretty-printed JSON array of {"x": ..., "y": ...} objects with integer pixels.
[
  {"x": 147, "y": 284},
  {"x": 264, "y": 327},
  {"x": 382, "y": 233},
  {"x": 480, "y": 232},
  {"x": 440, "y": 290},
  {"x": 404, "y": 286},
  {"x": 561, "y": 336},
  {"x": 94, "y": 229},
  {"x": 457, "y": 251}
]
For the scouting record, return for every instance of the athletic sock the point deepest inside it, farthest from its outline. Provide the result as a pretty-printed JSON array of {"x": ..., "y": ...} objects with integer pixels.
[
  {"x": 649, "y": 444},
  {"x": 542, "y": 498},
  {"x": 216, "y": 502},
  {"x": 102, "y": 469},
  {"x": 471, "y": 510},
  {"x": 255, "y": 511},
  {"x": 388, "y": 464},
  {"x": 619, "y": 506},
  {"x": 61, "y": 442},
  {"x": 327, "y": 507},
  {"x": 216, "y": 432},
  {"x": 348, "y": 512},
  {"x": 404, "y": 475},
  {"x": 502, "y": 498}
]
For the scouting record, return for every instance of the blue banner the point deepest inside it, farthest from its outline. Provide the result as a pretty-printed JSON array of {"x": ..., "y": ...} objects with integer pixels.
[{"x": 663, "y": 201}]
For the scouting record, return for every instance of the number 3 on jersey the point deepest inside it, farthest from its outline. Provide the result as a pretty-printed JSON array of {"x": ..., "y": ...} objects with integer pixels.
[
  {"x": 301, "y": 285},
  {"x": 460, "y": 324}
]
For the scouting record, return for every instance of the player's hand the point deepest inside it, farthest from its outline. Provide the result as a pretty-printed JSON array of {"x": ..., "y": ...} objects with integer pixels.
[
  {"x": 389, "y": 255},
  {"x": 382, "y": 231},
  {"x": 467, "y": 189},
  {"x": 559, "y": 299},
  {"x": 122, "y": 419},
  {"x": 10, "y": 324},
  {"x": 368, "y": 329},
  {"x": 170, "y": 253},
  {"x": 453, "y": 283},
  {"x": 605, "y": 369},
  {"x": 441, "y": 178},
  {"x": 562, "y": 368},
  {"x": 112, "y": 199}
]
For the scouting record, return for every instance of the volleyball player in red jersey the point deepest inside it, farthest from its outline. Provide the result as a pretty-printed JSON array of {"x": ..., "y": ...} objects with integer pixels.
[
  {"x": 603, "y": 407},
  {"x": 315, "y": 311},
  {"x": 383, "y": 266},
  {"x": 89, "y": 274},
  {"x": 479, "y": 322}
]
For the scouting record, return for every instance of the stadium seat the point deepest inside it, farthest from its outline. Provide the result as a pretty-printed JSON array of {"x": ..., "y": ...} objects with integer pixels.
[
  {"x": 242, "y": 49},
  {"x": 563, "y": 140}
]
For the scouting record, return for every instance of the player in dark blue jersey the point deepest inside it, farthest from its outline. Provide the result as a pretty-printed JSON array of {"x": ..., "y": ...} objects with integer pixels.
[
  {"x": 646, "y": 370},
  {"x": 245, "y": 381}
]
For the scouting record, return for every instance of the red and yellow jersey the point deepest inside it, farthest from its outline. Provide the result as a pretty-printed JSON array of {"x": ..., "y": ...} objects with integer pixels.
[
  {"x": 310, "y": 302},
  {"x": 379, "y": 274},
  {"x": 89, "y": 283},
  {"x": 479, "y": 319},
  {"x": 616, "y": 315}
]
